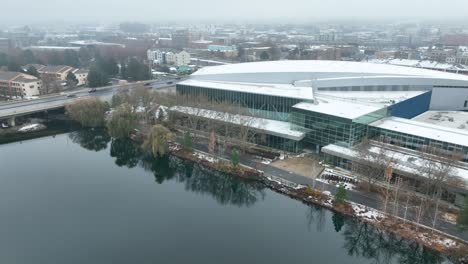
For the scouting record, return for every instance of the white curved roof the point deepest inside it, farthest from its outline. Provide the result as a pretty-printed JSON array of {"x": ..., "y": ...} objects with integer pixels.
[{"x": 320, "y": 66}]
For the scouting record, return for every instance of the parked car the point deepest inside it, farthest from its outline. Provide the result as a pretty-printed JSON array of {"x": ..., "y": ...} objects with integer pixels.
[{"x": 170, "y": 82}]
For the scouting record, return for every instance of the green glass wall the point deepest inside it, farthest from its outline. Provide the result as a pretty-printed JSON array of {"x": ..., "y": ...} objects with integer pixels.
[
  {"x": 266, "y": 106},
  {"x": 322, "y": 129},
  {"x": 414, "y": 142}
]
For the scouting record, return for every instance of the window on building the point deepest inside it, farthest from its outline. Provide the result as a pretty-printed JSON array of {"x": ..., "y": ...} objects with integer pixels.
[{"x": 466, "y": 103}]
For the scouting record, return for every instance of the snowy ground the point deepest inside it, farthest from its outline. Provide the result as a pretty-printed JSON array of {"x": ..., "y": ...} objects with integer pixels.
[
  {"x": 31, "y": 127},
  {"x": 446, "y": 242},
  {"x": 205, "y": 157},
  {"x": 364, "y": 212}
]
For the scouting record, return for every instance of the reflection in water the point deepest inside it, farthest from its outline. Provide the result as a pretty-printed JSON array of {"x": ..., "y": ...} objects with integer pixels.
[
  {"x": 225, "y": 189},
  {"x": 363, "y": 240},
  {"x": 125, "y": 152},
  {"x": 91, "y": 139},
  {"x": 360, "y": 239},
  {"x": 162, "y": 168},
  {"x": 316, "y": 214},
  {"x": 338, "y": 221}
]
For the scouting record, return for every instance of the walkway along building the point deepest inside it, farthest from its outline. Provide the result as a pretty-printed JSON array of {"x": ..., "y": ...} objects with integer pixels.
[{"x": 334, "y": 105}]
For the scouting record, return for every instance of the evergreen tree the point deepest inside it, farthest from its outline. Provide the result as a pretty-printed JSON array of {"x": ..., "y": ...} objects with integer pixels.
[
  {"x": 27, "y": 57},
  {"x": 137, "y": 71},
  {"x": 97, "y": 78},
  {"x": 32, "y": 71},
  {"x": 264, "y": 56},
  {"x": 72, "y": 81},
  {"x": 340, "y": 195},
  {"x": 70, "y": 58},
  {"x": 188, "y": 142},
  {"x": 235, "y": 158}
]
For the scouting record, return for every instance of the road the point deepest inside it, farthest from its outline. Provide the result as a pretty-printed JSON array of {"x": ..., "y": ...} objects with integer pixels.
[{"x": 18, "y": 108}]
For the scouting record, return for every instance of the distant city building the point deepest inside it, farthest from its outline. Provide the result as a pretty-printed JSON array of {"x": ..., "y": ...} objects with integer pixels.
[
  {"x": 200, "y": 44},
  {"x": 6, "y": 44},
  {"x": 169, "y": 57},
  {"x": 51, "y": 48},
  {"x": 322, "y": 53},
  {"x": 16, "y": 84}
]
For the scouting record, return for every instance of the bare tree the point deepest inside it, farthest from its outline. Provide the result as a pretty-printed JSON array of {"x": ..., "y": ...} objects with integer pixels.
[
  {"x": 372, "y": 160},
  {"x": 438, "y": 169}
]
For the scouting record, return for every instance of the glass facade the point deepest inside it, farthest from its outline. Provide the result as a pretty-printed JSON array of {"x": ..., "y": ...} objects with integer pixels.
[
  {"x": 278, "y": 143},
  {"x": 380, "y": 88},
  {"x": 322, "y": 129},
  {"x": 266, "y": 106},
  {"x": 415, "y": 142}
]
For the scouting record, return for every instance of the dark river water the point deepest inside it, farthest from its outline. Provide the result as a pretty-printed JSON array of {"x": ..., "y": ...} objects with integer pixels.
[{"x": 84, "y": 198}]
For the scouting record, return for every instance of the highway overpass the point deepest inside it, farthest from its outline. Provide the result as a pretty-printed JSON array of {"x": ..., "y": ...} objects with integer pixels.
[{"x": 9, "y": 111}]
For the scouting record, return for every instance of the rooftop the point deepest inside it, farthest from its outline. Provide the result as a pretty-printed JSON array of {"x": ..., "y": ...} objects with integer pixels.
[
  {"x": 283, "y": 90},
  {"x": 55, "y": 68},
  {"x": 267, "y": 126},
  {"x": 450, "y": 119},
  {"x": 425, "y": 130},
  {"x": 383, "y": 98},
  {"x": 322, "y": 66},
  {"x": 336, "y": 107}
]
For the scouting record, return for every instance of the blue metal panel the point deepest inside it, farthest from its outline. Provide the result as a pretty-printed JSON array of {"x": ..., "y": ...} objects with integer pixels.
[{"x": 411, "y": 107}]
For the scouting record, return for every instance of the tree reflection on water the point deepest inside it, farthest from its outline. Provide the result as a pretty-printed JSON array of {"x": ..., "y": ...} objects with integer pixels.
[
  {"x": 360, "y": 239},
  {"x": 91, "y": 139}
]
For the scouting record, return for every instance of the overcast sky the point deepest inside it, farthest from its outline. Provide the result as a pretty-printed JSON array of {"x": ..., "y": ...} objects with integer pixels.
[{"x": 232, "y": 10}]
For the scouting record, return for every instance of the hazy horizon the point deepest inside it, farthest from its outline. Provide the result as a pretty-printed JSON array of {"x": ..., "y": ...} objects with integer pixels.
[{"x": 233, "y": 11}]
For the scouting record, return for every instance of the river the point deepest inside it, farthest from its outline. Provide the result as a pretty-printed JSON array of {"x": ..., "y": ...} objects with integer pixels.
[{"x": 82, "y": 197}]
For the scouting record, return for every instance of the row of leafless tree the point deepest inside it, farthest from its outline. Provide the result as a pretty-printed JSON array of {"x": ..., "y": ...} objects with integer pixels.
[{"x": 420, "y": 192}]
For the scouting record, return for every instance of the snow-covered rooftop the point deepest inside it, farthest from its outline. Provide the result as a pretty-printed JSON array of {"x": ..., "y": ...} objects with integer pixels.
[
  {"x": 322, "y": 66},
  {"x": 450, "y": 119},
  {"x": 340, "y": 108},
  {"x": 267, "y": 126},
  {"x": 384, "y": 98},
  {"x": 425, "y": 130},
  {"x": 404, "y": 161},
  {"x": 423, "y": 64},
  {"x": 282, "y": 90}
]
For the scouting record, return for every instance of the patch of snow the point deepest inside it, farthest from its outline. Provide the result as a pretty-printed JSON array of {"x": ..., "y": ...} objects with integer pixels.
[
  {"x": 205, "y": 157},
  {"x": 140, "y": 109},
  {"x": 30, "y": 127},
  {"x": 299, "y": 186},
  {"x": 366, "y": 212}
]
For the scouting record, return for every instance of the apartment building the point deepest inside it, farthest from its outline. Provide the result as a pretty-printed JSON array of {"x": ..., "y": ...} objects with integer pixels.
[
  {"x": 16, "y": 84},
  {"x": 169, "y": 57}
]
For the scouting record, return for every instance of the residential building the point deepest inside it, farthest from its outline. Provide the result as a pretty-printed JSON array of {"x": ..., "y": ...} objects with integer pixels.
[
  {"x": 169, "y": 57},
  {"x": 81, "y": 76},
  {"x": 16, "y": 84},
  {"x": 56, "y": 72}
]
